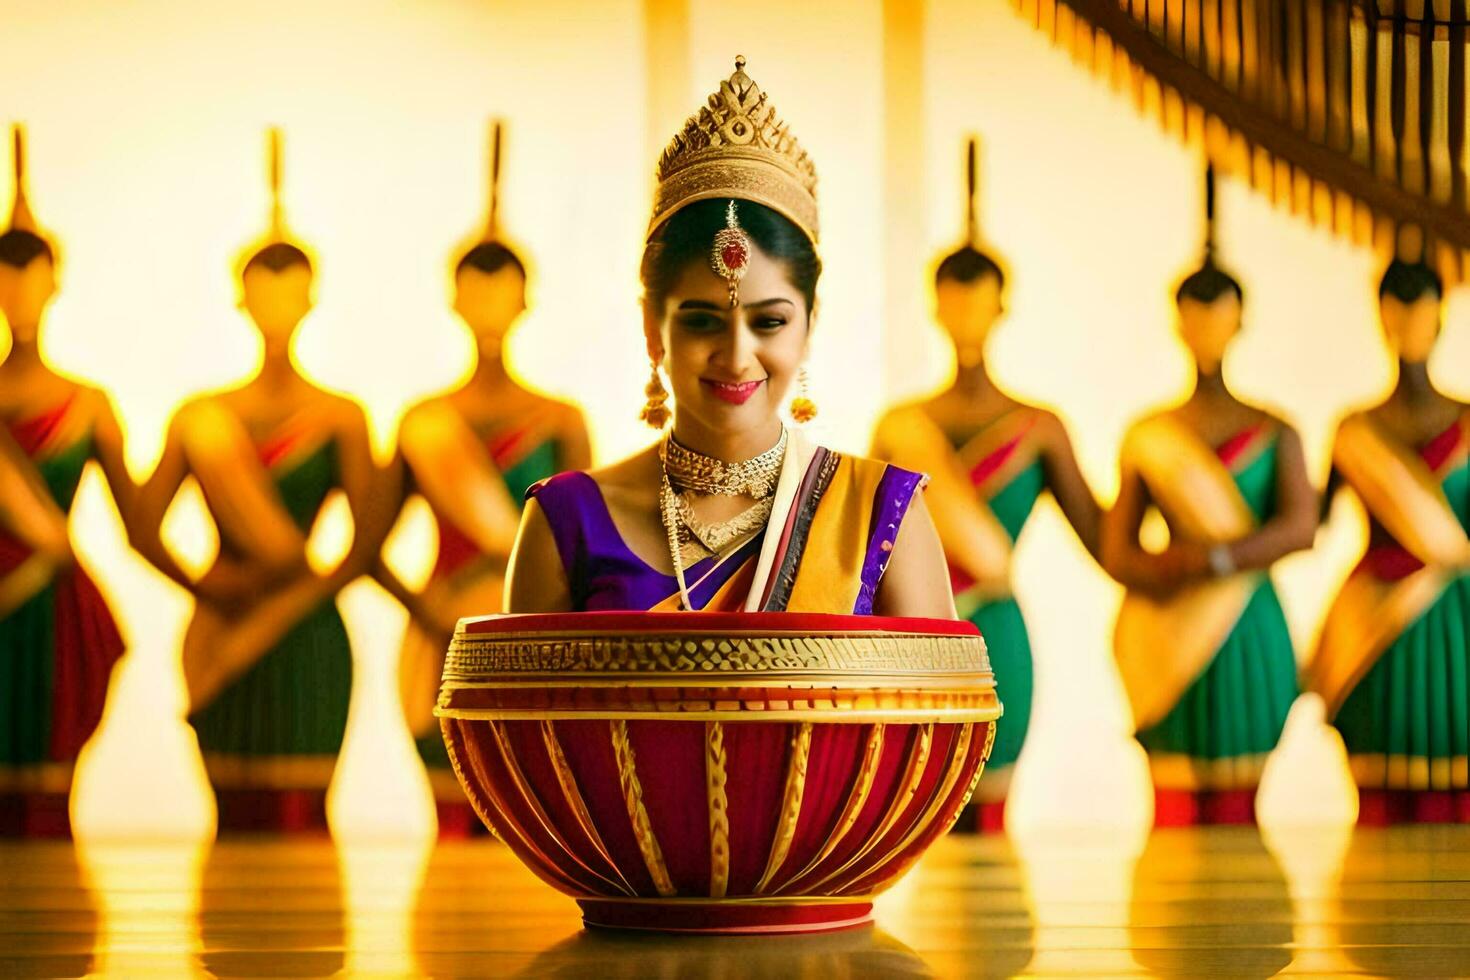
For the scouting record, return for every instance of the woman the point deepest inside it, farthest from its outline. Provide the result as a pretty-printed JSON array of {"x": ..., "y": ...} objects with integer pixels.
[
  {"x": 990, "y": 457},
  {"x": 730, "y": 511},
  {"x": 472, "y": 455},
  {"x": 58, "y": 641},
  {"x": 1393, "y": 658},
  {"x": 266, "y": 656},
  {"x": 1202, "y": 645}
]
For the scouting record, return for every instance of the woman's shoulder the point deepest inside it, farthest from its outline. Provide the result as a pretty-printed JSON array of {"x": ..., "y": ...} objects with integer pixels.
[
  {"x": 625, "y": 479},
  {"x": 560, "y": 486}
]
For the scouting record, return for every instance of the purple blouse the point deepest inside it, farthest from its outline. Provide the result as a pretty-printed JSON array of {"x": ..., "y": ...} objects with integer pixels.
[{"x": 603, "y": 573}]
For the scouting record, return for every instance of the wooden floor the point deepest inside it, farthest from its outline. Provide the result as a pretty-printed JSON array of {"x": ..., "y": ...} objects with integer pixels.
[{"x": 1213, "y": 902}]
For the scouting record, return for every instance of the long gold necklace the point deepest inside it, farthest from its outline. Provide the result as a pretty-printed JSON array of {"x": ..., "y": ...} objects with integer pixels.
[{"x": 686, "y": 473}]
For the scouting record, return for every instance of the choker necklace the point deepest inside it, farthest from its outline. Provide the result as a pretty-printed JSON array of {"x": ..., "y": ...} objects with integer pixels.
[
  {"x": 686, "y": 474},
  {"x": 754, "y": 477}
]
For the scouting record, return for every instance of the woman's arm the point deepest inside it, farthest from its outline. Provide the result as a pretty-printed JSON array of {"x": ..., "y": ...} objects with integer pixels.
[
  {"x": 392, "y": 493},
  {"x": 536, "y": 581},
  {"x": 144, "y": 519},
  {"x": 1065, "y": 480},
  {"x": 451, "y": 468},
  {"x": 1125, "y": 559},
  {"x": 1293, "y": 527},
  {"x": 916, "y": 582},
  {"x": 28, "y": 515},
  {"x": 370, "y": 497},
  {"x": 427, "y": 606},
  {"x": 107, "y": 442},
  {"x": 974, "y": 539}
]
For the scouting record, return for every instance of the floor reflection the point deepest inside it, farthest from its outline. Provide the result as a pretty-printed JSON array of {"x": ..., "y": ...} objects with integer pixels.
[
  {"x": 271, "y": 908},
  {"x": 148, "y": 894},
  {"x": 1221, "y": 901},
  {"x": 1210, "y": 904},
  {"x": 480, "y": 911},
  {"x": 852, "y": 953},
  {"x": 1403, "y": 907},
  {"x": 1079, "y": 885},
  {"x": 48, "y": 914},
  {"x": 382, "y": 883},
  {"x": 1312, "y": 858},
  {"x": 970, "y": 900}
]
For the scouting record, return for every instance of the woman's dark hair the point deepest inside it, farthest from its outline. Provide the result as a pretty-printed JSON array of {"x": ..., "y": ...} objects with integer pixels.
[
  {"x": 1407, "y": 281},
  {"x": 490, "y": 258},
  {"x": 19, "y": 248},
  {"x": 688, "y": 235},
  {"x": 278, "y": 257},
  {"x": 1207, "y": 284},
  {"x": 968, "y": 265}
]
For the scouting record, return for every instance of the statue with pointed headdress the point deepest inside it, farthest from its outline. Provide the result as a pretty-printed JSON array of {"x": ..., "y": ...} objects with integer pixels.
[
  {"x": 1393, "y": 662},
  {"x": 471, "y": 455},
  {"x": 990, "y": 457},
  {"x": 58, "y": 640},
  {"x": 266, "y": 657},
  {"x": 1201, "y": 642}
]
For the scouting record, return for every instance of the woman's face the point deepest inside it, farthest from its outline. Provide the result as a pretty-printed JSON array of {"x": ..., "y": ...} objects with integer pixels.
[
  {"x": 1410, "y": 329},
  {"x": 968, "y": 311},
  {"x": 489, "y": 302},
  {"x": 277, "y": 301},
  {"x": 730, "y": 369},
  {"x": 24, "y": 294},
  {"x": 1208, "y": 328}
]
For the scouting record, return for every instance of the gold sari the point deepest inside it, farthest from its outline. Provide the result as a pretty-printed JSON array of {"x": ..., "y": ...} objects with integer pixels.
[
  {"x": 1163, "y": 644},
  {"x": 252, "y": 518},
  {"x": 1369, "y": 613}
]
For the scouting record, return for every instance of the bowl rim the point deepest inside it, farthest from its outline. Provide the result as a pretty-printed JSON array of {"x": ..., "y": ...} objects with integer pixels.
[{"x": 685, "y": 623}]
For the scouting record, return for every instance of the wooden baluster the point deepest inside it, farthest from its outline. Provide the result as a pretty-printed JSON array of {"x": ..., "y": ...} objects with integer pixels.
[{"x": 1458, "y": 108}]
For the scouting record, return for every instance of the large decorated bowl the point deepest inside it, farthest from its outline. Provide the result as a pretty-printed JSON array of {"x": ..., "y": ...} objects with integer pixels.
[{"x": 708, "y": 772}]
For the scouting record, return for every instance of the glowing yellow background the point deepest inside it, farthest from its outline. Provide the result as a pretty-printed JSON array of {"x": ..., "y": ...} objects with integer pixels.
[{"x": 146, "y": 127}]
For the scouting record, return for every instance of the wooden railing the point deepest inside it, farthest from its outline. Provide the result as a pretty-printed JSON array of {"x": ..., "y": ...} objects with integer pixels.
[{"x": 1351, "y": 113}]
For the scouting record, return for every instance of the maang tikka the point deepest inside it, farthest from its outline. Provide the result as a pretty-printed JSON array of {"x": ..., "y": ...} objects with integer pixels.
[{"x": 730, "y": 254}]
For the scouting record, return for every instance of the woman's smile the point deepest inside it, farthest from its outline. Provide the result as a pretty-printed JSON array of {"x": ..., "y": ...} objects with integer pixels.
[{"x": 734, "y": 392}]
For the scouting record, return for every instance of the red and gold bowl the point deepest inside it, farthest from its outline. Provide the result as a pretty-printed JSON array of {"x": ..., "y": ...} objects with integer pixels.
[{"x": 713, "y": 772}]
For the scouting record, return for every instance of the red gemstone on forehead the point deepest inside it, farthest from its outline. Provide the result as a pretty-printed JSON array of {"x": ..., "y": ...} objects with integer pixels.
[{"x": 733, "y": 255}]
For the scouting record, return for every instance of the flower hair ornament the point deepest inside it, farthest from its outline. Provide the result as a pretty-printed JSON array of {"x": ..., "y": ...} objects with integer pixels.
[{"x": 730, "y": 254}]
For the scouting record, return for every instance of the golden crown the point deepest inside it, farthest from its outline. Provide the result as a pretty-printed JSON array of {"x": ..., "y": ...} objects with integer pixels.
[{"x": 736, "y": 147}]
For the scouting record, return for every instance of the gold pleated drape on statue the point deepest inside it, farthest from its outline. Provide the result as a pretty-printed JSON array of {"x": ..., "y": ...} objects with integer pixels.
[{"x": 1352, "y": 113}]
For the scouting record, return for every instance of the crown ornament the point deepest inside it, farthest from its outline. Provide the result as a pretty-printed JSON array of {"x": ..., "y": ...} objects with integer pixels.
[
  {"x": 21, "y": 218},
  {"x": 277, "y": 232},
  {"x": 492, "y": 217},
  {"x": 736, "y": 147}
]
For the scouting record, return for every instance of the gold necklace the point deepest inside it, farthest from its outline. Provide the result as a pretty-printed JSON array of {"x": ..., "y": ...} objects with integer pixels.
[
  {"x": 754, "y": 477},
  {"x": 713, "y": 537},
  {"x": 692, "y": 539}
]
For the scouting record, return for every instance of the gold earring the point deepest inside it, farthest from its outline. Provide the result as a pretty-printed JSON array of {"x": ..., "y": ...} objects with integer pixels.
[
  {"x": 655, "y": 412},
  {"x": 803, "y": 409}
]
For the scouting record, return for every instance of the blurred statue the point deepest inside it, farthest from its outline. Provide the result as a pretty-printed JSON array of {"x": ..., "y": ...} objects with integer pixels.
[
  {"x": 1394, "y": 660},
  {"x": 989, "y": 458},
  {"x": 472, "y": 454},
  {"x": 1201, "y": 641},
  {"x": 58, "y": 641},
  {"x": 266, "y": 656}
]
